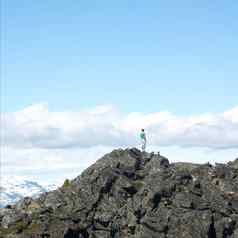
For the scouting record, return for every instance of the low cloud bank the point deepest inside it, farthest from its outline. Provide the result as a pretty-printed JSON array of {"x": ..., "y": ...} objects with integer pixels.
[
  {"x": 48, "y": 147},
  {"x": 37, "y": 127}
]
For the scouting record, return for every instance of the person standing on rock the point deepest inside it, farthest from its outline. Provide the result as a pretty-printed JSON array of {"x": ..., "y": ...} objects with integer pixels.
[{"x": 143, "y": 139}]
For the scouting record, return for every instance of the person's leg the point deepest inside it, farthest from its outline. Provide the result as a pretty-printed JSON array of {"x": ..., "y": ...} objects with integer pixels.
[{"x": 143, "y": 145}]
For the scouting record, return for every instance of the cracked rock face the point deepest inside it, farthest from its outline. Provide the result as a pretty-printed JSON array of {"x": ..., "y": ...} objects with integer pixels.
[{"x": 132, "y": 194}]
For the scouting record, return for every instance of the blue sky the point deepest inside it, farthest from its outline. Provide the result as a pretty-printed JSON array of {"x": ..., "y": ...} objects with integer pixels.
[
  {"x": 148, "y": 56},
  {"x": 79, "y": 78}
]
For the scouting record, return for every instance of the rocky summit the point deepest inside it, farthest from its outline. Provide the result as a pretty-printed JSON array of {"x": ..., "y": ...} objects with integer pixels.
[{"x": 132, "y": 194}]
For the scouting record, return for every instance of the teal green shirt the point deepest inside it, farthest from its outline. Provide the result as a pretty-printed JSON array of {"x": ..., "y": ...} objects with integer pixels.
[{"x": 142, "y": 135}]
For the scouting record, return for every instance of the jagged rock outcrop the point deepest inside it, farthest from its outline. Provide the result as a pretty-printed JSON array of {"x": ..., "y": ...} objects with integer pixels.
[{"x": 136, "y": 195}]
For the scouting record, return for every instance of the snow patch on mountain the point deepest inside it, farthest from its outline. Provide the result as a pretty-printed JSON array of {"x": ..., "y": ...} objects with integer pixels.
[{"x": 14, "y": 188}]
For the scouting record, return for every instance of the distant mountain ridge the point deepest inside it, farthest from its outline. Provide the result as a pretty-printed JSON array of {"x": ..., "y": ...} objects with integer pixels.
[
  {"x": 14, "y": 188},
  {"x": 133, "y": 194}
]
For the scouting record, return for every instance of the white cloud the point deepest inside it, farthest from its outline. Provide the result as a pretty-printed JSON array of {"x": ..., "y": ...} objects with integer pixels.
[
  {"x": 37, "y": 127},
  {"x": 48, "y": 165},
  {"x": 47, "y": 146}
]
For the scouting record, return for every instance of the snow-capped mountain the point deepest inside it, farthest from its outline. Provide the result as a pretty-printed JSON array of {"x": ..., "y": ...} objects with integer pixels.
[{"x": 13, "y": 189}]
